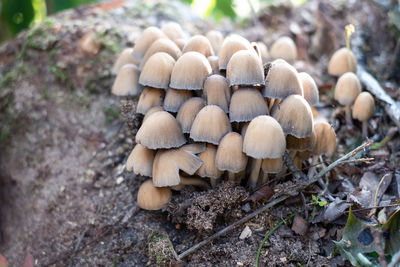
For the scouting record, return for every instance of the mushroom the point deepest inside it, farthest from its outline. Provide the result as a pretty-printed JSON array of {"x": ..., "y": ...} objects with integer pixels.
[
  {"x": 216, "y": 39},
  {"x": 175, "y": 98},
  {"x": 149, "y": 134},
  {"x": 148, "y": 36},
  {"x": 173, "y": 30},
  {"x": 245, "y": 68},
  {"x": 126, "y": 82},
  {"x": 230, "y": 46},
  {"x": 310, "y": 89},
  {"x": 180, "y": 43},
  {"x": 124, "y": 58},
  {"x": 153, "y": 198},
  {"x": 217, "y": 91},
  {"x": 140, "y": 160},
  {"x": 161, "y": 45},
  {"x": 284, "y": 48},
  {"x": 150, "y": 97},
  {"x": 190, "y": 71},
  {"x": 208, "y": 168},
  {"x": 151, "y": 111},
  {"x": 213, "y": 60},
  {"x": 263, "y": 52},
  {"x": 342, "y": 61},
  {"x": 270, "y": 166},
  {"x": 230, "y": 156},
  {"x": 199, "y": 43},
  {"x": 188, "y": 111},
  {"x": 264, "y": 138},
  {"x": 210, "y": 125},
  {"x": 363, "y": 109},
  {"x": 348, "y": 87},
  {"x": 157, "y": 71},
  {"x": 246, "y": 104}
]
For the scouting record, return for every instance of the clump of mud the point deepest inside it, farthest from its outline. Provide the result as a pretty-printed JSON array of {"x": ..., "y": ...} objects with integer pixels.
[{"x": 201, "y": 210}]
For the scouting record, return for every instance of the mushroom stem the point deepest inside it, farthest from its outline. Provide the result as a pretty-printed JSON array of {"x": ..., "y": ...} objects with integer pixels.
[
  {"x": 194, "y": 181},
  {"x": 254, "y": 173},
  {"x": 214, "y": 182},
  {"x": 364, "y": 129},
  {"x": 231, "y": 176},
  {"x": 275, "y": 105},
  {"x": 240, "y": 175},
  {"x": 271, "y": 103},
  {"x": 312, "y": 169},
  {"x": 349, "y": 121},
  {"x": 265, "y": 178}
]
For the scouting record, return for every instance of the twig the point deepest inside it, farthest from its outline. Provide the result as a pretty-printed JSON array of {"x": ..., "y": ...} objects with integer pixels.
[
  {"x": 376, "y": 194},
  {"x": 377, "y": 207},
  {"x": 277, "y": 200},
  {"x": 269, "y": 233}
]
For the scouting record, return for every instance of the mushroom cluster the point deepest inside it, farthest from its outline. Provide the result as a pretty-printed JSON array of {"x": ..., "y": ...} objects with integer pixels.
[{"x": 215, "y": 105}]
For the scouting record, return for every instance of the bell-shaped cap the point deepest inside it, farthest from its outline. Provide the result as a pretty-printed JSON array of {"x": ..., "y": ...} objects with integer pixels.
[
  {"x": 364, "y": 106},
  {"x": 245, "y": 68},
  {"x": 310, "y": 89},
  {"x": 190, "y": 71},
  {"x": 161, "y": 45},
  {"x": 208, "y": 168},
  {"x": 199, "y": 43},
  {"x": 124, "y": 58},
  {"x": 230, "y": 156},
  {"x": 325, "y": 139},
  {"x": 153, "y": 198},
  {"x": 284, "y": 48},
  {"x": 246, "y": 104},
  {"x": 175, "y": 98},
  {"x": 230, "y": 46},
  {"x": 188, "y": 112},
  {"x": 150, "y": 97},
  {"x": 126, "y": 82},
  {"x": 264, "y": 138},
  {"x": 148, "y": 36},
  {"x": 213, "y": 60},
  {"x": 216, "y": 39},
  {"x": 157, "y": 71},
  {"x": 160, "y": 130},
  {"x": 173, "y": 30},
  {"x": 217, "y": 91},
  {"x": 342, "y": 61},
  {"x": 272, "y": 165},
  {"x": 140, "y": 160},
  {"x": 151, "y": 111},
  {"x": 348, "y": 87}
]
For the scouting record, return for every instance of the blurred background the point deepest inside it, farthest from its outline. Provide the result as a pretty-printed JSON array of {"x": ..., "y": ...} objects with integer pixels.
[{"x": 16, "y": 15}]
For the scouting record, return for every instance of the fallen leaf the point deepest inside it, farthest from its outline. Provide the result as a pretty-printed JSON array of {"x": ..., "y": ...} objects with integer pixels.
[
  {"x": 335, "y": 210},
  {"x": 300, "y": 225},
  {"x": 264, "y": 192}
]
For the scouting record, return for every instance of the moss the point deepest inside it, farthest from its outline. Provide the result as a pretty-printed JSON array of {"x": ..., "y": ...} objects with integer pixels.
[
  {"x": 111, "y": 114},
  {"x": 160, "y": 248}
]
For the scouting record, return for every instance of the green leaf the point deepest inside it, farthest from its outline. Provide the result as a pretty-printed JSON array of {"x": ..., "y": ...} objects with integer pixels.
[
  {"x": 322, "y": 203},
  {"x": 391, "y": 233},
  {"x": 17, "y": 14}
]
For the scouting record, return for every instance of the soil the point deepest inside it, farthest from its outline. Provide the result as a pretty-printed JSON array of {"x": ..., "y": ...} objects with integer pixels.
[{"x": 65, "y": 198}]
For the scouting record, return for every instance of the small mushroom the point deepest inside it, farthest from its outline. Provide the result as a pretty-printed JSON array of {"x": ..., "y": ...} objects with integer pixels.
[
  {"x": 284, "y": 48},
  {"x": 263, "y": 52},
  {"x": 213, "y": 60},
  {"x": 348, "y": 87},
  {"x": 140, "y": 160},
  {"x": 245, "y": 68},
  {"x": 188, "y": 112},
  {"x": 217, "y": 91},
  {"x": 246, "y": 104},
  {"x": 310, "y": 89},
  {"x": 208, "y": 168},
  {"x": 230, "y": 46},
  {"x": 148, "y": 36},
  {"x": 126, "y": 82},
  {"x": 175, "y": 98},
  {"x": 157, "y": 71},
  {"x": 363, "y": 109},
  {"x": 161, "y": 45},
  {"x": 173, "y": 30},
  {"x": 151, "y": 111},
  {"x": 342, "y": 61},
  {"x": 199, "y": 43},
  {"x": 124, "y": 58},
  {"x": 150, "y": 97},
  {"x": 216, "y": 39},
  {"x": 153, "y": 198},
  {"x": 270, "y": 166}
]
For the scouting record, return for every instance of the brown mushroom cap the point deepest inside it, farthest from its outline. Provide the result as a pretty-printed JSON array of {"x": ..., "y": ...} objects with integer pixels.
[
  {"x": 310, "y": 89},
  {"x": 188, "y": 112},
  {"x": 246, "y": 104},
  {"x": 348, "y": 87},
  {"x": 364, "y": 106},
  {"x": 152, "y": 110},
  {"x": 190, "y": 71},
  {"x": 160, "y": 130},
  {"x": 339, "y": 62},
  {"x": 272, "y": 165},
  {"x": 157, "y": 70},
  {"x": 199, "y": 43},
  {"x": 217, "y": 91},
  {"x": 161, "y": 45},
  {"x": 180, "y": 43},
  {"x": 173, "y": 30},
  {"x": 263, "y": 50},
  {"x": 150, "y": 97},
  {"x": 208, "y": 168},
  {"x": 295, "y": 116},
  {"x": 124, "y": 58},
  {"x": 145, "y": 40},
  {"x": 300, "y": 144},
  {"x": 245, "y": 68},
  {"x": 213, "y": 60},
  {"x": 126, "y": 82},
  {"x": 284, "y": 48},
  {"x": 325, "y": 139},
  {"x": 175, "y": 98},
  {"x": 210, "y": 125},
  {"x": 264, "y": 138},
  {"x": 230, "y": 46},
  {"x": 230, "y": 156},
  {"x": 140, "y": 160},
  {"x": 216, "y": 39},
  {"x": 153, "y": 198},
  {"x": 282, "y": 80}
]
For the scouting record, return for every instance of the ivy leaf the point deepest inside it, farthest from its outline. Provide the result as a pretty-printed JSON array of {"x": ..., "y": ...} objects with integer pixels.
[{"x": 391, "y": 233}]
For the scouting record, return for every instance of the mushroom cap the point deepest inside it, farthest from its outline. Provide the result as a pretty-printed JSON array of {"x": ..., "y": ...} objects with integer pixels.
[
  {"x": 157, "y": 70},
  {"x": 126, "y": 82},
  {"x": 295, "y": 116},
  {"x": 210, "y": 125},
  {"x": 230, "y": 156},
  {"x": 190, "y": 71},
  {"x": 325, "y": 139},
  {"x": 199, "y": 43},
  {"x": 213, "y": 60},
  {"x": 148, "y": 36},
  {"x": 364, "y": 106},
  {"x": 282, "y": 80},
  {"x": 173, "y": 30},
  {"x": 140, "y": 160},
  {"x": 284, "y": 48},
  {"x": 180, "y": 43},
  {"x": 124, "y": 58},
  {"x": 153, "y": 198},
  {"x": 161, "y": 45},
  {"x": 339, "y": 62},
  {"x": 216, "y": 39},
  {"x": 150, "y": 97},
  {"x": 217, "y": 91},
  {"x": 175, "y": 98},
  {"x": 348, "y": 87},
  {"x": 264, "y": 138},
  {"x": 230, "y": 46},
  {"x": 245, "y": 68},
  {"x": 310, "y": 89},
  {"x": 246, "y": 104},
  {"x": 160, "y": 130},
  {"x": 167, "y": 164},
  {"x": 300, "y": 144},
  {"x": 151, "y": 111},
  {"x": 208, "y": 168},
  {"x": 272, "y": 165},
  {"x": 188, "y": 111},
  {"x": 263, "y": 51}
]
